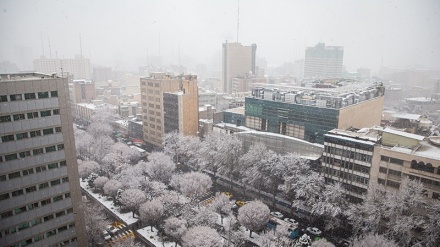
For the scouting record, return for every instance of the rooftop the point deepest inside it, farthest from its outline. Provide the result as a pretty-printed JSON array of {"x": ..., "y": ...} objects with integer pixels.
[
  {"x": 238, "y": 110},
  {"x": 404, "y": 134},
  {"x": 26, "y": 76}
]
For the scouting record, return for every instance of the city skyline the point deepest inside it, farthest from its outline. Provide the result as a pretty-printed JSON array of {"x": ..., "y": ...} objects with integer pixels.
[{"x": 394, "y": 33}]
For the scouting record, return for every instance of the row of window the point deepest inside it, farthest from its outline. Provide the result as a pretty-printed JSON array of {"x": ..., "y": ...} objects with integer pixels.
[
  {"x": 34, "y": 205},
  {"x": 33, "y": 152},
  {"x": 32, "y": 170},
  {"x": 348, "y": 154},
  {"x": 346, "y": 164},
  {"x": 28, "y": 96},
  {"x": 47, "y": 234},
  {"x": 34, "y": 222},
  {"x": 347, "y": 143},
  {"x": 391, "y": 160},
  {"x": 150, "y": 84},
  {"x": 30, "y": 134},
  {"x": 33, "y": 188},
  {"x": 388, "y": 183},
  {"x": 390, "y": 171},
  {"x": 345, "y": 175},
  {"x": 426, "y": 181},
  {"x": 29, "y": 115}
]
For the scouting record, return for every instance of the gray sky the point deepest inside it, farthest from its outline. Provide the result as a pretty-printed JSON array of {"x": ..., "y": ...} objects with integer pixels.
[{"x": 402, "y": 33}]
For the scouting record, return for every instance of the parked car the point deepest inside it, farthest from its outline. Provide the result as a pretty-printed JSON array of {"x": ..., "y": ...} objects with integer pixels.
[
  {"x": 240, "y": 203},
  {"x": 105, "y": 235},
  {"x": 291, "y": 221},
  {"x": 313, "y": 230},
  {"x": 277, "y": 214},
  {"x": 111, "y": 229}
]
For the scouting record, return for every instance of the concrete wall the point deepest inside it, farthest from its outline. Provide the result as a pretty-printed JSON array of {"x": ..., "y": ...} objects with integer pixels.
[{"x": 362, "y": 115}]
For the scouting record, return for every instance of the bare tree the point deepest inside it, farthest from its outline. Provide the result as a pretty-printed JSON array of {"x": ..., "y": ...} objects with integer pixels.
[
  {"x": 151, "y": 212},
  {"x": 198, "y": 236},
  {"x": 221, "y": 205},
  {"x": 373, "y": 240},
  {"x": 95, "y": 222},
  {"x": 132, "y": 198},
  {"x": 175, "y": 228},
  {"x": 254, "y": 216}
]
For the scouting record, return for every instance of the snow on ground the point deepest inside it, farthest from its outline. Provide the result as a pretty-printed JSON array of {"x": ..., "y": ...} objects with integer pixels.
[
  {"x": 153, "y": 238},
  {"x": 127, "y": 218}
]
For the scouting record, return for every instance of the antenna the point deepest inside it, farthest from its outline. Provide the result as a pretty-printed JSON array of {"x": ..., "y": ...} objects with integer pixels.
[
  {"x": 238, "y": 19},
  {"x": 80, "y": 45},
  {"x": 42, "y": 46},
  {"x": 50, "y": 50}
]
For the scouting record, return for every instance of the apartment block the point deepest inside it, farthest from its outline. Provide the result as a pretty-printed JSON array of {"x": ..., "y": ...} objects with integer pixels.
[
  {"x": 40, "y": 196},
  {"x": 78, "y": 66},
  {"x": 323, "y": 61},
  {"x": 168, "y": 103}
]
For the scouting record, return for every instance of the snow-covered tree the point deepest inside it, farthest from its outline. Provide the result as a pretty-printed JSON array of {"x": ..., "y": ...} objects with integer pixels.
[
  {"x": 322, "y": 243},
  {"x": 83, "y": 142},
  {"x": 432, "y": 225},
  {"x": 173, "y": 202},
  {"x": 173, "y": 142},
  {"x": 132, "y": 198},
  {"x": 99, "y": 129},
  {"x": 88, "y": 167},
  {"x": 254, "y": 216},
  {"x": 127, "y": 242},
  {"x": 198, "y": 236},
  {"x": 221, "y": 205},
  {"x": 276, "y": 238},
  {"x": 201, "y": 217},
  {"x": 111, "y": 188},
  {"x": 127, "y": 154},
  {"x": 155, "y": 189},
  {"x": 100, "y": 147},
  {"x": 159, "y": 167},
  {"x": 95, "y": 222},
  {"x": 100, "y": 182},
  {"x": 131, "y": 177},
  {"x": 373, "y": 240},
  {"x": 331, "y": 205},
  {"x": 175, "y": 228},
  {"x": 192, "y": 185},
  {"x": 151, "y": 212}
]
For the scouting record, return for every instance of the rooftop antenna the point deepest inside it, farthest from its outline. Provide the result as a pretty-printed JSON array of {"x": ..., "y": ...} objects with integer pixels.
[
  {"x": 80, "y": 45},
  {"x": 50, "y": 50},
  {"x": 42, "y": 46},
  {"x": 238, "y": 19}
]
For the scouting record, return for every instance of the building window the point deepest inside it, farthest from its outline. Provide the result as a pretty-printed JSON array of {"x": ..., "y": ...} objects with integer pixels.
[
  {"x": 28, "y": 96},
  {"x": 50, "y": 233},
  {"x": 40, "y": 169},
  {"x": 60, "y": 146},
  {"x": 35, "y": 133},
  {"x": 31, "y": 189},
  {"x": 394, "y": 173},
  {"x": 3, "y": 178},
  {"x": 63, "y": 228},
  {"x": 45, "y": 113},
  {"x": 63, "y": 163},
  {"x": 58, "y": 129},
  {"x": 396, "y": 161},
  {"x": 15, "y": 97},
  {"x": 3, "y": 98},
  {"x": 4, "y": 119},
  {"x": 7, "y": 138},
  {"x": 17, "y": 193},
  {"x": 383, "y": 170},
  {"x": 43, "y": 186},
  {"x": 59, "y": 214},
  {"x": 393, "y": 184},
  {"x": 52, "y": 166},
  {"x": 14, "y": 175},
  {"x": 25, "y": 154},
  {"x": 4, "y": 196},
  {"x": 22, "y": 136},
  {"x": 6, "y": 214},
  {"x": 51, "y": 149},
  {"x": 58, "y": 198},
  {"x": 23, "y": 226},
  {"x": 55, "y": 182},
  {"x": 18, "y": 117},
  {"x": 45, "y": 202},
  {"x": 11, "y": 157},
  {"x": 37, "y": 151},
  {"x": 56, "y": 112},
  {"x": 381, "y": 181},
  {"x": 32, "y": 205},
  {"x": 43, "y": 95},
  {"x": 28, "y": 171},
  {"x": 31, "y": 115},
  {"x": 54, "y": 94}
]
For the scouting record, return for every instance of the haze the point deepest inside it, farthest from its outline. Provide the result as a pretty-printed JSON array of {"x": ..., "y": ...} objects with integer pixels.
[{"x": 122, "y": 34}]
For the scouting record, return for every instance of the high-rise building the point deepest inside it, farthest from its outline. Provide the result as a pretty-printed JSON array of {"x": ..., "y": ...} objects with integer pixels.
[
  {"x": 309, "y": 114},
  {"x": 237, "y": 61},
  {"x": 82, "y": 91},
  {"x": 323, "y": 61},
  {"x": 78, "y": 66},
  {"x": 168, "y": 104},
  {"x": 40, "y": 196}
]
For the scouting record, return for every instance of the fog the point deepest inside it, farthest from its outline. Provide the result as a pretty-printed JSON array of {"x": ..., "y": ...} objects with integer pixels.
[{"x": 122, "y": 34}]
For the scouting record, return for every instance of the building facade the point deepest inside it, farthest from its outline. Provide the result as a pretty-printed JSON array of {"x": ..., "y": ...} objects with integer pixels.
[
  {"x": 237, "y": 61},
  {"x": 78, "y": 66},
  {"x": 82, "y": 91},
  {"x": 40, "y": 196},
  {"x": 308, "y": 115},
  {"x": 323, "y": 61},
  {"x": 179, "y": 96}
]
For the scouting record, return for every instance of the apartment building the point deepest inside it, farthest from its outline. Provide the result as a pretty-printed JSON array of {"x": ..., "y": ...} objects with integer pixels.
[
  {"x": 168, "y": 103},
  {"x": 40, "y": 196}
]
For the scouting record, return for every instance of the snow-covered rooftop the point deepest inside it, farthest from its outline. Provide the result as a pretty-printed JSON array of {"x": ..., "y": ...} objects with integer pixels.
[
  {"x": 353, "y": 139},
  {"x": 407, "y": 116},
  {"x": 363, "y": 134},
  {"x": 238, "y": 110},
  {"x": 404, "y": 134},
  {"x": 153, "y": 238}
]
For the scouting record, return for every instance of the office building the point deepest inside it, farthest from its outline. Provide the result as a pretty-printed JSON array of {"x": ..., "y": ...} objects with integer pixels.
[
  {"x": 361, "y": 159},
  {"x": 40, "y": 196},
  {"x": 78, "y": 66},
  {"x": 168, "y": 104},
  {"x": 101, "y": 75},
  {"x": 82, "y": 91},
  {"x": 323, "y": 61},
  {"x": 237, "y": 61},
  {"x": 309, "y": 114}
]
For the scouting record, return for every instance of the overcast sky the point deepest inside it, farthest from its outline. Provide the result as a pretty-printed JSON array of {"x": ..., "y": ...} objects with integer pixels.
[{"x": 122, "y": 33}]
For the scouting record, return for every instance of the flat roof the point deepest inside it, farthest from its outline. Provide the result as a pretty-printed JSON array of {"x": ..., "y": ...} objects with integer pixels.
[
  {"x": 407, "y": 116},
  {"x": 404, "y": 134},
  {"x": 238, "y": 110}
]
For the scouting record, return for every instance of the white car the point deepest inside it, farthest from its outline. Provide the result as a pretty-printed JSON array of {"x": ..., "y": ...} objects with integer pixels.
[
  {"x": 291, "y": 221},
  {"x": 111, "y": 229},
  {"x": 105, "y": 235},
  {"x": 277, "y": 214},
  {"x": 313, "y": 230}
]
